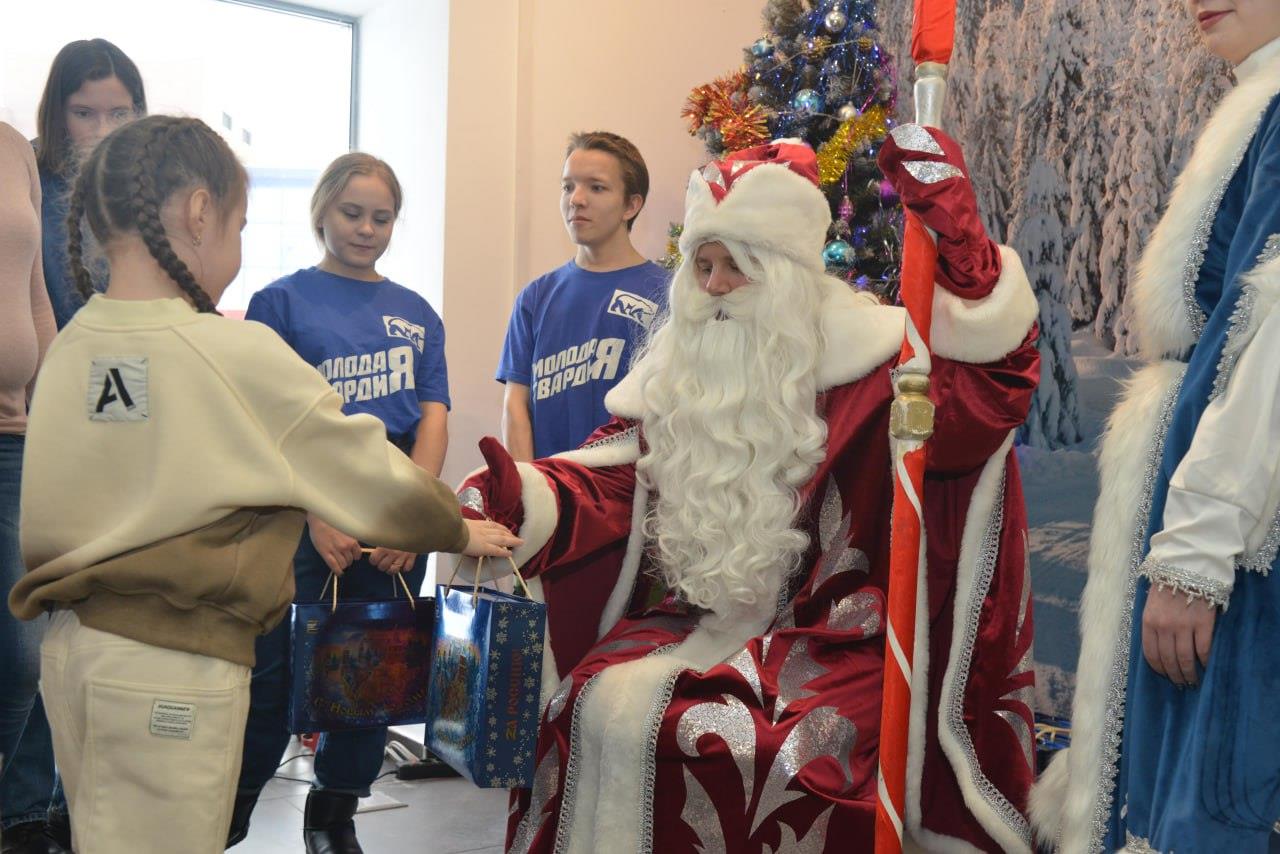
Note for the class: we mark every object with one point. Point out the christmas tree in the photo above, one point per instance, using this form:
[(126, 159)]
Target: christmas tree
[(821, 75)]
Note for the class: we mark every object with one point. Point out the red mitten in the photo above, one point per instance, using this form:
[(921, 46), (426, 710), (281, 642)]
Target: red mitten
[(927, 169), (497, 490)]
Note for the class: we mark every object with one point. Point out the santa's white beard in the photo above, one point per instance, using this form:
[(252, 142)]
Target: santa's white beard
[(732, 434)]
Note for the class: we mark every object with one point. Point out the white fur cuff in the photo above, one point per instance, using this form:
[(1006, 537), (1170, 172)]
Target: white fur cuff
[(988, 329), (541, 515)]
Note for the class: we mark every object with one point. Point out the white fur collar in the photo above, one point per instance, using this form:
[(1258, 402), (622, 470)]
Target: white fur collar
[(861, 336), (1168, 323)]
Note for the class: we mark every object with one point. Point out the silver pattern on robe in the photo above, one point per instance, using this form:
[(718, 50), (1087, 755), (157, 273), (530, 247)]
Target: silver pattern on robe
[(545, 782), (701, 816), (559, 698), (731, 721), (1026, 694), (822, 732), (931, 172), (814, 842), (798, 670), (913, 137), (856, 611), (745, 664)]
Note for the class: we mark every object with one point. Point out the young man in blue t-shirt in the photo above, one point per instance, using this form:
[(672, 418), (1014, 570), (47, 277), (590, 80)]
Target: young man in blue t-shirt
[(574, 331)]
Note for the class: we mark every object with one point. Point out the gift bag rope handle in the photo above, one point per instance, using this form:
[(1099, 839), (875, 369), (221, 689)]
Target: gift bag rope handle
[(475, 587), (394, 592)]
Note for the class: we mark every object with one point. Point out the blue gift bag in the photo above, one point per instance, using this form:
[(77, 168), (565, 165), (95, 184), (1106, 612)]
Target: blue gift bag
[(486, 677), (360, 664)]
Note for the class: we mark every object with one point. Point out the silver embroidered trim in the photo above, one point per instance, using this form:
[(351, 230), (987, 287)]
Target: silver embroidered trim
[(990, 549), (1113, 714), (1241, 320), (545, 780), (1204, 225), (1138, 845), (931, 172), (568, 797), (915, 138), (1262, 560), (471, 499), (1176, 578), (649, 769), (614, 439)]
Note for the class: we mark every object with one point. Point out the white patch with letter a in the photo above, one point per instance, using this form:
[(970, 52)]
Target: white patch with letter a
[(118, 389)]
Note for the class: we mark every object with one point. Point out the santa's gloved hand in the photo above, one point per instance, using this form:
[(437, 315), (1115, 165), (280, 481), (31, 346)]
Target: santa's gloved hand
[(497, 490), (927, 169)]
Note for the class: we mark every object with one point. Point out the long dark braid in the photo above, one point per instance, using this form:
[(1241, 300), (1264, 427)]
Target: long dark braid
[(133, 172), (75, 239), (146, 213)]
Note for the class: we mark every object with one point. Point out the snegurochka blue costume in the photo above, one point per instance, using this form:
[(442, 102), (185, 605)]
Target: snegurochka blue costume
[(1189, 500)]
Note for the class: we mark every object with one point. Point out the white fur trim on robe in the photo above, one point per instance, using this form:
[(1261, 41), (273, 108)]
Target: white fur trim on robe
[(1160, 308), (1065, 801)]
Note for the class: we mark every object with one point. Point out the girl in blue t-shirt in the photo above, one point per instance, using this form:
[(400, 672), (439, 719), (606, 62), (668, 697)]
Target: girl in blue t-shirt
[(381, 346)]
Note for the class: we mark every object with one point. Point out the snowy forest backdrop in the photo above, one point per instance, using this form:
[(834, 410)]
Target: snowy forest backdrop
[(1075, 117)]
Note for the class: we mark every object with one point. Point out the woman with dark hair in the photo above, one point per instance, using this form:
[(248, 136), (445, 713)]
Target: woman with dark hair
[(93, 88)]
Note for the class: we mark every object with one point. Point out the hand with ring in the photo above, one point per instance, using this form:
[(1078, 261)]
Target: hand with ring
[(392, 561)]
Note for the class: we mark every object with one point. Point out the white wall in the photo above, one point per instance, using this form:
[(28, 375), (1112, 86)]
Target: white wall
[(404, 65), (523, 74)]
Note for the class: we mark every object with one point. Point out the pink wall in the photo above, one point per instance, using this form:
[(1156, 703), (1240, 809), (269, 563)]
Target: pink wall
[(523, 74)]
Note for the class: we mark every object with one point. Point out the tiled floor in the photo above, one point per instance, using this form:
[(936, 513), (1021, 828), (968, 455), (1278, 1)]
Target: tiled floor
[(449, 816)]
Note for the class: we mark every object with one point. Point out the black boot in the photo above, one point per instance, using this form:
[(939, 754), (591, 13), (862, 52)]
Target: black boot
[(240, 813), (30, 837), (328, 825), (59, 827)]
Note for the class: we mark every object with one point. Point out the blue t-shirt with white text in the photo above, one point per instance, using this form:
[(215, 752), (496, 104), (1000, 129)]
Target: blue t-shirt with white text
[(572, 336), (379, 344)]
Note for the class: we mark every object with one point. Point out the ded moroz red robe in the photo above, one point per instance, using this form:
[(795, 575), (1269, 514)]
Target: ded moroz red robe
[(660, 733)]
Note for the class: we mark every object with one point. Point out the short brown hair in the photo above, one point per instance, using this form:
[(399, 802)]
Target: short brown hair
[(635, 175), (335, 178)]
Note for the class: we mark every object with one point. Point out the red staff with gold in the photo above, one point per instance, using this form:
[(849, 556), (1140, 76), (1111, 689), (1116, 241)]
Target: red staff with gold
[(911, 423)]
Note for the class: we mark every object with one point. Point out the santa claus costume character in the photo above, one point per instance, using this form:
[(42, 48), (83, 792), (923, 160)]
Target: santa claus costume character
[(1174, 745), (747, 466)]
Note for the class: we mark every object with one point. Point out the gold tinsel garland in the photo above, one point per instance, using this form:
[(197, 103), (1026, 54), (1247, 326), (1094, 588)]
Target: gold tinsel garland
[(852, 136)]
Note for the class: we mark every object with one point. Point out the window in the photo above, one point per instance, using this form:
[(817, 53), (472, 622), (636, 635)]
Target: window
[(274, 78)]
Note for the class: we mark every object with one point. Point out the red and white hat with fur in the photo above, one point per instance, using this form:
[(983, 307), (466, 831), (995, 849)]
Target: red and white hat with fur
[(765, 197)]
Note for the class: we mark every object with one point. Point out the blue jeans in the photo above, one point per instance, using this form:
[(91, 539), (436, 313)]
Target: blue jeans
[(28, 782), (345, 762)]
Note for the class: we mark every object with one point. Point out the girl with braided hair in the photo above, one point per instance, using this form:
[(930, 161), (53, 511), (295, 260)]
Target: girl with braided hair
[(173, 455)]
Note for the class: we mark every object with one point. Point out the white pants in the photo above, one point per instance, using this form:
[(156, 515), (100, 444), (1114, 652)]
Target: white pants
[(147, 739)]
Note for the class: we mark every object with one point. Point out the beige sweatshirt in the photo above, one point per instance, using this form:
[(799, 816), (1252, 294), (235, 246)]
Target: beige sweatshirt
[(26, 320), (169, 456)]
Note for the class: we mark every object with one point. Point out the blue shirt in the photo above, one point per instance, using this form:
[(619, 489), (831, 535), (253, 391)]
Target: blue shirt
[(572, 337), (380, 345)]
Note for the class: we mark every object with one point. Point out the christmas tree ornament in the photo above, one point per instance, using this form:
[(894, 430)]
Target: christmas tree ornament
[(835, 21), (762, 48), (837, 253), (807, 102), (846, 209), (848, 113), (756, 94), (816, 47)]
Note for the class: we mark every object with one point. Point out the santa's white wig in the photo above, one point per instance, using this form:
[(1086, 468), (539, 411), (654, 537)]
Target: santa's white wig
[(729, 387)]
